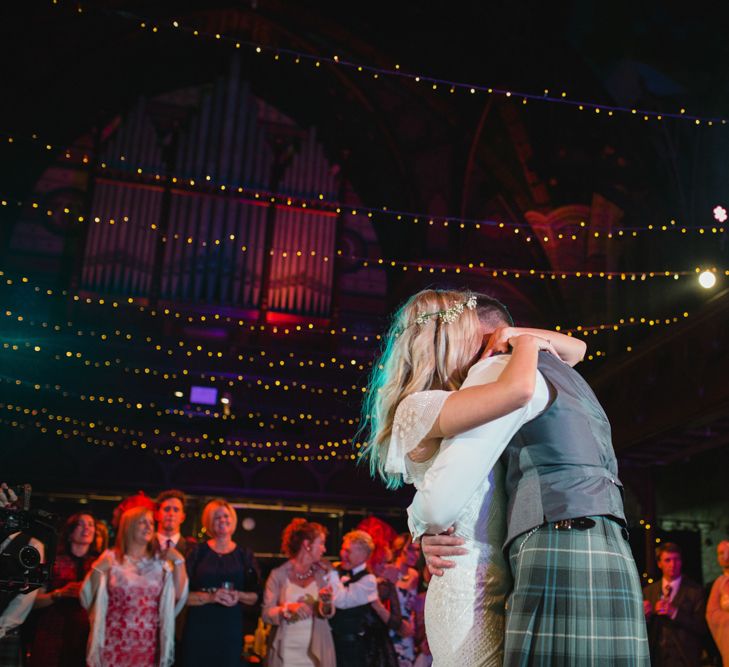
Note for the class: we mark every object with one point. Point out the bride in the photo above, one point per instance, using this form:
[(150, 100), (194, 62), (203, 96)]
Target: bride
[(414, 402)]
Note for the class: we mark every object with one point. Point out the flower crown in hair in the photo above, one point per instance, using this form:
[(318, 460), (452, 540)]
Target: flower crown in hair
[(450, 314)]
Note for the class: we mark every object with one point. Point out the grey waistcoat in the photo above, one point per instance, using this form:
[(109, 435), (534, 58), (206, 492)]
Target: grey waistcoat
[(561, 465)]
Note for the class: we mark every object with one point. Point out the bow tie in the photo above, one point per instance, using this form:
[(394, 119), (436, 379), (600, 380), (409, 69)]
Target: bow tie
[(345, 573)]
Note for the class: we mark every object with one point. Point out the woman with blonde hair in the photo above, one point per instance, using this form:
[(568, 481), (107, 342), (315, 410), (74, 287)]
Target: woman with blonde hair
[(297, 600), (416, 400), (133, 594), (223, 577)]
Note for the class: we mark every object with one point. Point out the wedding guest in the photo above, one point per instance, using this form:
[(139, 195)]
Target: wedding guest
[(224, 576), (133, 593), (297, 600), (170, 515), (674, 607), (717, 609), (61, 624), (359, 627)]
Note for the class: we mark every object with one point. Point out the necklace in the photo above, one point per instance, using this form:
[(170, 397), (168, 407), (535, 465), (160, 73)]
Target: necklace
[(305, 575)]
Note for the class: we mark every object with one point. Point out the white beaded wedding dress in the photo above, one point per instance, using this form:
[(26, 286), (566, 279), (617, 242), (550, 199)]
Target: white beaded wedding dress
[(464, 609)]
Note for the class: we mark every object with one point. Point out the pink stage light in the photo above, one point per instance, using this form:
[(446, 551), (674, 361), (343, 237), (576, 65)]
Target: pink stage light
[(720, 213)]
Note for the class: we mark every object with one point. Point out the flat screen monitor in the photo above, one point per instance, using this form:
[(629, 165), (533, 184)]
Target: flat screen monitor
[(203, 395)]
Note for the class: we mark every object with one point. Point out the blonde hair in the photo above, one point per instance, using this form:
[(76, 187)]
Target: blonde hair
[(125, 534), (209, 511), (434, 354), (362, 538)]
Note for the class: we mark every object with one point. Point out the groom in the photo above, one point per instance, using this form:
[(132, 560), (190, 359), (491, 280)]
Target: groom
[(576, 598)]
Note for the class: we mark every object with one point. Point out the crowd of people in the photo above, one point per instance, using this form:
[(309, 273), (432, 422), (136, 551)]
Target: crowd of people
[(156, 597)]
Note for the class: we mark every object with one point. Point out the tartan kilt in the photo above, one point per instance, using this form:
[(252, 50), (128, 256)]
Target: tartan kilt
[(576, 601)]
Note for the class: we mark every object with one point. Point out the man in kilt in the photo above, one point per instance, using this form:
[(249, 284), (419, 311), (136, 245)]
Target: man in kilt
[(576, 598)]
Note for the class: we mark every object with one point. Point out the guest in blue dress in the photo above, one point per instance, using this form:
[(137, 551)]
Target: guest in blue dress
[(224, 576)]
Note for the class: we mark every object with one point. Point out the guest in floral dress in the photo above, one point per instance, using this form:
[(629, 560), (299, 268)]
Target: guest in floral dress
[(133, 593), (62, 625)]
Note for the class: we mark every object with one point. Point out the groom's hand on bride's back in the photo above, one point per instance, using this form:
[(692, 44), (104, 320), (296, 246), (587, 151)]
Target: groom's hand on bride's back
[(437, 548)]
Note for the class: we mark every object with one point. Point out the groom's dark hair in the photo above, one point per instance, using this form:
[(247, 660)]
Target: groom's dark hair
[(492, 313)]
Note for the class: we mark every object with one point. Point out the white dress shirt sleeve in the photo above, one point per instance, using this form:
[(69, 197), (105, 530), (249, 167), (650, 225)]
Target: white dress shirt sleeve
[(362, 591), (464, 462)]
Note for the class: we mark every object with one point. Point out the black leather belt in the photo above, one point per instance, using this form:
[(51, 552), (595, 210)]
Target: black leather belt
[(579, 523)]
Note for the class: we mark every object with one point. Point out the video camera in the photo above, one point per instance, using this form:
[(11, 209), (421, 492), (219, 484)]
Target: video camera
[(21, 569)]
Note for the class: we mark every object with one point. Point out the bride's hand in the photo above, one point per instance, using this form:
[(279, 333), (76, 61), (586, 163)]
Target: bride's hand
[(542, 343), (506, 339)]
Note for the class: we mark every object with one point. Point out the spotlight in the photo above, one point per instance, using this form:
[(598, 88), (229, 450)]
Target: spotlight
[(226, 400), (720, 214), (707, 279), (179, 394)]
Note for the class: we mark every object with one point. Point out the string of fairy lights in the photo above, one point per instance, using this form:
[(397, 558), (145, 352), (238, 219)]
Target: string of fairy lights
[(436, 84), (251, 382), (307, 420), (72, 431), (290, 330), (580, 329), (190, 184), (353, 364), (214, 378), (483, 268), (302, 419), (188, 350), (216, 445)]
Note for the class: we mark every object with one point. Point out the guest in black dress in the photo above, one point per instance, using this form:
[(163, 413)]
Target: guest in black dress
[(223, 577)]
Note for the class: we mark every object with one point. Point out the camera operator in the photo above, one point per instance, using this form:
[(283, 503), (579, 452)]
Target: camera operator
[(14, 606)]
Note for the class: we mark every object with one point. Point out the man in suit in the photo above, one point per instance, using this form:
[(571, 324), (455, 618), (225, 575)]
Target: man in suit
[(674, 608), (170, 515), (565, 535)]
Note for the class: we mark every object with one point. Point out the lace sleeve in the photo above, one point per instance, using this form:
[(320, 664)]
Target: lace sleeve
[(414, 417)]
